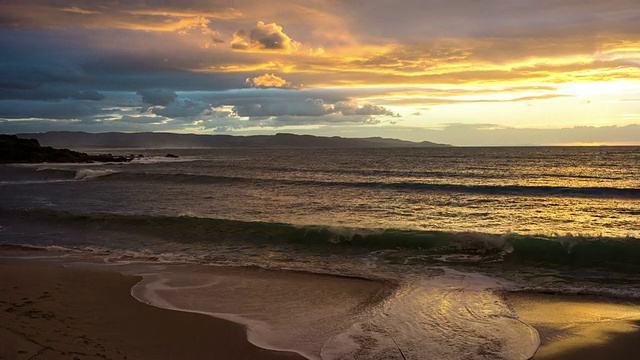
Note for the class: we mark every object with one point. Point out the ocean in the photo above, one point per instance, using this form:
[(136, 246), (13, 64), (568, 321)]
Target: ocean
[(445, 230)]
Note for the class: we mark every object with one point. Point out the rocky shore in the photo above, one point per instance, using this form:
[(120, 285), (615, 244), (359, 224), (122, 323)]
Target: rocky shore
[(17, 150)]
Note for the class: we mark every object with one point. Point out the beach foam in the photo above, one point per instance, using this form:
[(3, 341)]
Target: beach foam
[(282, 310), (85, 174), (323, 317)]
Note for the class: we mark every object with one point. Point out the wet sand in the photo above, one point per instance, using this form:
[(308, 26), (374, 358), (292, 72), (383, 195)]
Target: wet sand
[(581, 327), (51, 312)]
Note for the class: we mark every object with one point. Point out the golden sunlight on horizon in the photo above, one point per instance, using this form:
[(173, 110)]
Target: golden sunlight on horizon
[(292, 65)]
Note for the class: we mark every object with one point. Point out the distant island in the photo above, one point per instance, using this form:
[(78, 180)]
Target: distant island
[(83, 140), (16, 150)]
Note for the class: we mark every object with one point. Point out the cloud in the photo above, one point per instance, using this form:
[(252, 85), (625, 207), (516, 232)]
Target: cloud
[(157, 96), (13, 91), (333, 119), (89, 95), (308, 107), (182, 108), (264, 37), (220, 121), (240, 41), (483, 62), (67, 109), (352, 108), (135, 15), (141, 119), (199, 26), (24, 126), (247, 96), (268, 80)]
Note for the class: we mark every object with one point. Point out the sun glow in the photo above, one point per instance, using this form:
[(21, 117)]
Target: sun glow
[(589, 89)]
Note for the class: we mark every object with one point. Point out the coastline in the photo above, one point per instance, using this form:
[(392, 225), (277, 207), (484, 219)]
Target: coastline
[(48, 311), (580, 327)]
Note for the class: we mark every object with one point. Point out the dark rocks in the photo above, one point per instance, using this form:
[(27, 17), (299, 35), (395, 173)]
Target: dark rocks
[(171, 156), (113, 158), (16, 150)]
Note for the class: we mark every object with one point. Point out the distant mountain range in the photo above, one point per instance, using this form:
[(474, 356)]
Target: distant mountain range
[(83, 140)]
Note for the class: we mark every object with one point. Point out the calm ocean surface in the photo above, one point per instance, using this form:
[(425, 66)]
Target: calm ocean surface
[(443, 225)]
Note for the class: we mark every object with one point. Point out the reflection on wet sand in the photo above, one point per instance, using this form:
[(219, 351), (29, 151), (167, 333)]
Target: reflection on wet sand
[(581, 327)]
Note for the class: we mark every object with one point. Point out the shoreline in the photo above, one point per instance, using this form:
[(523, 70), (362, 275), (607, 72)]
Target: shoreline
[(580, 327), (49, 310), (289, 298)]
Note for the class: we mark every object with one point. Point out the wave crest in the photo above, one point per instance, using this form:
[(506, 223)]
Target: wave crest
[(84, 174), (407, 246)]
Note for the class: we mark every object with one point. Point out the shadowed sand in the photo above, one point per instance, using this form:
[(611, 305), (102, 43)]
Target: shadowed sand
[(581, 327), (51, 312)]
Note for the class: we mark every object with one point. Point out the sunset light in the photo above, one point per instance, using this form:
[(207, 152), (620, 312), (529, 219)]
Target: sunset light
[(320, 179), (530, 66)]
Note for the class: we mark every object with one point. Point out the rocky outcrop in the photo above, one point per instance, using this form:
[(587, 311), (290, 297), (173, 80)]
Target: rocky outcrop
[(17, 150)]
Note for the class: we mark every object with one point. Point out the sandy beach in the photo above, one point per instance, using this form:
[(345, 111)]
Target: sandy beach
[(48, 311), (52, 312), (581, 327)]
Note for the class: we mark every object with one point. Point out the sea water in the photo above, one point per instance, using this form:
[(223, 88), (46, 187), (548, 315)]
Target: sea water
[(445, 230)]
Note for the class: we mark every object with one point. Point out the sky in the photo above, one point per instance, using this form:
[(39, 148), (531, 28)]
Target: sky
[(463, 72)]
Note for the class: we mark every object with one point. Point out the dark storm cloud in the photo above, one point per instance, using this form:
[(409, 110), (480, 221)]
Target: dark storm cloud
[(183, 108), (89, 95), (307, 107), (74, 61), (250, 96), (68, 109), (47, 92), (24, 73), (157, 96)]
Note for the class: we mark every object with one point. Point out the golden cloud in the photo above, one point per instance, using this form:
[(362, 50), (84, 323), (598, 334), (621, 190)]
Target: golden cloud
[(222, 14), (268, 80), (269, 37)]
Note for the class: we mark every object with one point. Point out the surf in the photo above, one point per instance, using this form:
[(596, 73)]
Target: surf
[(418, 246)]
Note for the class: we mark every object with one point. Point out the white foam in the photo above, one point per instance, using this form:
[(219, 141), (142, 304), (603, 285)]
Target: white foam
[(162, 159), (85, 174), (259, 333), (80, 174), (450, 317)]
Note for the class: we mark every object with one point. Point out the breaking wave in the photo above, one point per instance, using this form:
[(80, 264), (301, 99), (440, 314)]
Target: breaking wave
[(85, 174), (608, 253)]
